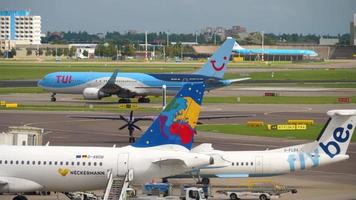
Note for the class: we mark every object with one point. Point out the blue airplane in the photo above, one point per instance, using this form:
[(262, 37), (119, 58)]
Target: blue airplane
[(97, 85), (289, 52)]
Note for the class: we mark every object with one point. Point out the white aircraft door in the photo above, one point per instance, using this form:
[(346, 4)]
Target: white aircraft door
[(259, 165), (122, 164)]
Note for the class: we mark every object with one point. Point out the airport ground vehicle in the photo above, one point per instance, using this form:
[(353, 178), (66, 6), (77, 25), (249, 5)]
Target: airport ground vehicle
[(187, 193), (262, 190)]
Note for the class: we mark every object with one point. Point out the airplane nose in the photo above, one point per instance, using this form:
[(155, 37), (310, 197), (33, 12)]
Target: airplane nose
[(40, 83)]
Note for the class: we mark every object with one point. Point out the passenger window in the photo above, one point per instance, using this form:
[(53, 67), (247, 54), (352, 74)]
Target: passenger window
[(17, 162), (28, 162), (237, 163), (67, 163), (101, 164), (50, 163), (89, 163), (0, 162), (242, 164), (246, 163), (78, 163), (55, 163), (94, 163), (232, 163), (251, 163), (39, 162), (33, 162), (22, 162), (83, 163), (44, 162), (72, 163), (61, 163), (5, 162)]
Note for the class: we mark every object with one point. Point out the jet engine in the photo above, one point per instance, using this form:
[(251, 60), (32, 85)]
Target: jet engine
[(94, 94)]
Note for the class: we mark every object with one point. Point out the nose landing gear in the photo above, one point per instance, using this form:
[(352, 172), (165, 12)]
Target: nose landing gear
[(53, 97)]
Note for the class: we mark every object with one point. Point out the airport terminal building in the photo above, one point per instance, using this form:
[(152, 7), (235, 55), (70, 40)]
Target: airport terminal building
[(19, 27)]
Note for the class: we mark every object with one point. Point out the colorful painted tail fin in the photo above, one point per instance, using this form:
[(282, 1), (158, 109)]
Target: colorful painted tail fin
[(335, 137), (217, 64), (176, 123)]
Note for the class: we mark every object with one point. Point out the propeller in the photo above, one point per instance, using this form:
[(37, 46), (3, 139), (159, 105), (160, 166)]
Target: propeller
[(130, 125)]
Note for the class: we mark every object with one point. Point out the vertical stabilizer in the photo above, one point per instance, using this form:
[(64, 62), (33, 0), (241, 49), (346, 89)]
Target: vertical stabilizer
[(335, 138), (217, 64), (176, 123)]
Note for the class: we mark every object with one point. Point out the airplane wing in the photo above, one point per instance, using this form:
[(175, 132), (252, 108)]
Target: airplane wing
[(3, 182), (145, 118), (150, 118), (224, 116), (112, 88)]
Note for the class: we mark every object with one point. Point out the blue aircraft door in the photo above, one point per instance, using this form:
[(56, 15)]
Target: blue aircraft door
[(123, 163), (259, 165)]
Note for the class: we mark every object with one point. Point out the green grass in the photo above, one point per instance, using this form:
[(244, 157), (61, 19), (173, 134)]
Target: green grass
[(302, 75), (10, 90), (97, 108), (254, 100), (311, 133), (35, 72), (20, 70), (207, 99)]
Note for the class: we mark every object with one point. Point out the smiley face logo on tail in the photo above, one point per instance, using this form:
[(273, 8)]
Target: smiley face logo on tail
[(218, 68)]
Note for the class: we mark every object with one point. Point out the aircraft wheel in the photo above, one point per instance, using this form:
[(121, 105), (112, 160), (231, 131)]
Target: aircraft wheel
[(143, 100), (263, 197), (20, 197), (233, 196), (53, 99), (124, 100)]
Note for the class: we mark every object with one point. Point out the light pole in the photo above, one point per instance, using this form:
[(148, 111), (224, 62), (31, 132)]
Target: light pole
[(263, 46), (106, 46), (167, 37), (146, 59)]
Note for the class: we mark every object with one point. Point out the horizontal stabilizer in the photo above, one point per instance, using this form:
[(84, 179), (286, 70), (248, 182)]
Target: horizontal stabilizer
[(238, 80)]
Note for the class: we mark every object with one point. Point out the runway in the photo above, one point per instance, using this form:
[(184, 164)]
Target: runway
[(335, 181)]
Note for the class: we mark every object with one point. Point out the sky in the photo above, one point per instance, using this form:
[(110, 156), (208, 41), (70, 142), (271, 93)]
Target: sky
[(188, 16)]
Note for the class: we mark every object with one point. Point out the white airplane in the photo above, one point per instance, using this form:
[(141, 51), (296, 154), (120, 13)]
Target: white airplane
[(330, 147), (162, 151)]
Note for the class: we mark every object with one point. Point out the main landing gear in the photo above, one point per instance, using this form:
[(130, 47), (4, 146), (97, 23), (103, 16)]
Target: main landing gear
[(143, 100), (124, 100), (20, 197), (53, 97)]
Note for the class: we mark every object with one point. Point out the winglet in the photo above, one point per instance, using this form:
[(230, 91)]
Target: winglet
[(176, 123)]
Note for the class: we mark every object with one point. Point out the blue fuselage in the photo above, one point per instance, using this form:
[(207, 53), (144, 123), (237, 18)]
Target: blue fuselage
[(139, 84)]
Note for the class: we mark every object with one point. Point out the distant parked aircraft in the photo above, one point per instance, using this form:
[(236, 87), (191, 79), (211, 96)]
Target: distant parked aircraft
[(292, 52)]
